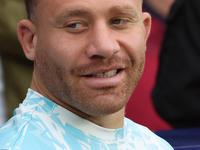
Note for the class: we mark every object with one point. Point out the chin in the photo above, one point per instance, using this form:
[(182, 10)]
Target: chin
[(104, 105)]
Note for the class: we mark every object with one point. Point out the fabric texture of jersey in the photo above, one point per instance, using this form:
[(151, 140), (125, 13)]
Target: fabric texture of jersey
[(40, 124)]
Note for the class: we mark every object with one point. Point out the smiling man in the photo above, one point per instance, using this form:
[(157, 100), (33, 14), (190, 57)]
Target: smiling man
[(88, 58)]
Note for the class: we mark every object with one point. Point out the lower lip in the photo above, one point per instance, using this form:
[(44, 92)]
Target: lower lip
[(104, 82)]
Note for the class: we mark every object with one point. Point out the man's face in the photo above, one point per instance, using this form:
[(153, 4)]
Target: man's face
[(90, 54)]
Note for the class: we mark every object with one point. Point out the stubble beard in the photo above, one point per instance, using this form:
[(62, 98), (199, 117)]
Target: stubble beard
[(110, 99), (94, 102)]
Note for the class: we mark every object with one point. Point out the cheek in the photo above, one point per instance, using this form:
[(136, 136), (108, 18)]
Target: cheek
[(68, 50), (60, 51), (134, 47)]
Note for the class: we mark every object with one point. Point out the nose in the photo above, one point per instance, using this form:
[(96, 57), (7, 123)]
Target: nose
[(103, 43)]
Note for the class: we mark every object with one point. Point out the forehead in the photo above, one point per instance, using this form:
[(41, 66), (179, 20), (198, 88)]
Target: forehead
[(95, 1), (55, 6)]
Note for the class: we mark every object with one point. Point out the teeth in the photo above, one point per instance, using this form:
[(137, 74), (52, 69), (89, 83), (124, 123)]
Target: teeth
[(105, 74)]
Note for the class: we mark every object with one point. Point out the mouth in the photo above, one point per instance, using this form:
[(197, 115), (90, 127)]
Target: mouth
[(105, 74)]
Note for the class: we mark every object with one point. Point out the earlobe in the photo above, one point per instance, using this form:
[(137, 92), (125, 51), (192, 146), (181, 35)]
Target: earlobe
[(147, 24), (26, 33)]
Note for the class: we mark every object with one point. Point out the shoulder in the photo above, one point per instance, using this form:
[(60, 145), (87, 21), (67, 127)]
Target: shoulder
[(20, 130), (24, 135), (13, 133), (143, 134)]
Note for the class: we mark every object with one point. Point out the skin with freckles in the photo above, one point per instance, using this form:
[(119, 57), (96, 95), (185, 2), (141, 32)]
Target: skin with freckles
[(76, 45)]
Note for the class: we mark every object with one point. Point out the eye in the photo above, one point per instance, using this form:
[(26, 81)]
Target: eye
[(76, 27), (120, 23), (117, 21)]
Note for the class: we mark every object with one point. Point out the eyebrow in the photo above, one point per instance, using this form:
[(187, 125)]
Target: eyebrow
[(124, 9), (70, 13)]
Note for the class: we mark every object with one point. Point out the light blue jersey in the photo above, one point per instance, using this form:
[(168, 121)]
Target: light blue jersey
[(40, 124)]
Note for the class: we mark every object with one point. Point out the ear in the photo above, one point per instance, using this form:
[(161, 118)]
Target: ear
[(147, 24), (26, 33)]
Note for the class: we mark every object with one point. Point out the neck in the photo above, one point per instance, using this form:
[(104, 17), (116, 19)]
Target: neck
[(112, 121)]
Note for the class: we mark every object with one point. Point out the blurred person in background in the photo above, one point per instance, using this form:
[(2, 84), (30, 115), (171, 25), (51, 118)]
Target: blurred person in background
[(2, 99), (16, 68), (176, 95), (161, 7)]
